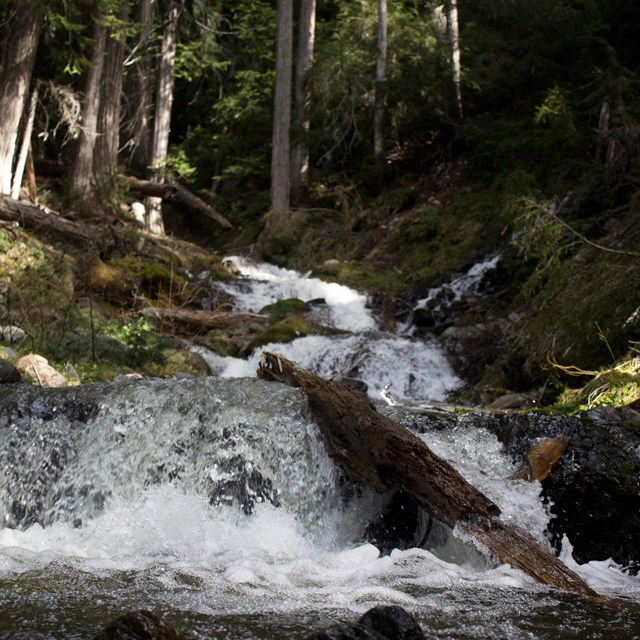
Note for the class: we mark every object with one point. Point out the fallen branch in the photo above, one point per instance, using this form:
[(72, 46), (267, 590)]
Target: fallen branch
[(176, 192), (204, 319), (374, 450)]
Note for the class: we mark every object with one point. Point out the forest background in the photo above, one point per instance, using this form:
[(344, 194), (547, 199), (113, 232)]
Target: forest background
[(385, 145)]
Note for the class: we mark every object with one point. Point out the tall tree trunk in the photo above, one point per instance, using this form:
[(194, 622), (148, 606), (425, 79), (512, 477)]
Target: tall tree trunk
[(300, 124), (280, 155), (138, 92), (83, 163), (162, 116), (381, 66), (108, 141), (25, 147), (451, 8), (19, 42)]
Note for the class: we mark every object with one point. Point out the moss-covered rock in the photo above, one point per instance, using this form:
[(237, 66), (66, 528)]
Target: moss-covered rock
[(286, 330), (284, 308)]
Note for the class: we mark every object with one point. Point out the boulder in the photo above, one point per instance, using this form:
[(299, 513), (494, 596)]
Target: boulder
[(139, 625), (380, 623), (593, 490), (38, 369), (9, 333)]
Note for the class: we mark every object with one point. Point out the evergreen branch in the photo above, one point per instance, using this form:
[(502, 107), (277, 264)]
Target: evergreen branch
[(590, 242)]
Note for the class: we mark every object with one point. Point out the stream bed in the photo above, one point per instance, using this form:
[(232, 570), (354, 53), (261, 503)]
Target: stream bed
[(212, 503)]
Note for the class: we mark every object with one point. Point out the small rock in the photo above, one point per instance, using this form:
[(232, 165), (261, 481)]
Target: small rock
[(9, 333), (40, 371), (511, 401), (139, 625), (379, 623)]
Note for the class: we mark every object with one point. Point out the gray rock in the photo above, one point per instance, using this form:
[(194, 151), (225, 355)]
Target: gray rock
[(8, 372)]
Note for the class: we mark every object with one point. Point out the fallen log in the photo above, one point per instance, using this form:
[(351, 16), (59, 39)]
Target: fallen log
[(34, 217), (175, 192), (204, 319), (377, 451)]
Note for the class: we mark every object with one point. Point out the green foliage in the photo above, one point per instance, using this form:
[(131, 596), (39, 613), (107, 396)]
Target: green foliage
[(342, 85), (37, 284), (138, 342), (555, 110), (539, 237), (614, 386)]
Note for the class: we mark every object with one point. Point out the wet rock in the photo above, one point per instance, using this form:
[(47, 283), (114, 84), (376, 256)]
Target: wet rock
[(8, 372), (139, 625), (401, 525), (38, 370), (593, 490), (541, 458), (379, 623)]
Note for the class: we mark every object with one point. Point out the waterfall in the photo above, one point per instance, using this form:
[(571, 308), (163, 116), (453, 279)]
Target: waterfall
[(214, 502), (398, 368)]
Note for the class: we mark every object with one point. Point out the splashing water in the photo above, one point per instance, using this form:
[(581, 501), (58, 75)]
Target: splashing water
[(219, 508), (394, 367)]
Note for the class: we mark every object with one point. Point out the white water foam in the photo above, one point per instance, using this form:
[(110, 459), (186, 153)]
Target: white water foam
[(392, 367), (264, 284)]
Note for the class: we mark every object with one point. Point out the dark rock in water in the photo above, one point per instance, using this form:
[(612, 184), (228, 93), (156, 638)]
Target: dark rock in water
[(402, 524), (593, 490), (8, 372), (139, 625), (379, 623)]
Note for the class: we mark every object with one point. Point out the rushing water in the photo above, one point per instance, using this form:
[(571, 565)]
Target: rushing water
[(213, 503)]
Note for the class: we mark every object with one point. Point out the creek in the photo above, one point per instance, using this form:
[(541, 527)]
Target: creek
[(212, 502)]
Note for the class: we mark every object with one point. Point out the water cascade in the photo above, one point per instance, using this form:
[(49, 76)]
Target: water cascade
[(396, 367), (213, 503)]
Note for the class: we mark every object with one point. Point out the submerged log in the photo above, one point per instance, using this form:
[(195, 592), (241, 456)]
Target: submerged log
[(377, 451)]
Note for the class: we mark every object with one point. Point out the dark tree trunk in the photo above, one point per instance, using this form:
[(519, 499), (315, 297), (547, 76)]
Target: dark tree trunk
[(300, 118), (281, 144), (108, 140), (19, 39), (83, 162), (381, 66), (138, 90)]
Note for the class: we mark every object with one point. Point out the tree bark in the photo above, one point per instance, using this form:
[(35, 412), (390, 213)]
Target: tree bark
[(138, 98), (280, 156), (300, 118), (33, 217), (162, 115), (83, 163), (108, 140), (25, 146), (381, 66), (19, 37), (451, 8), (373, 449)]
